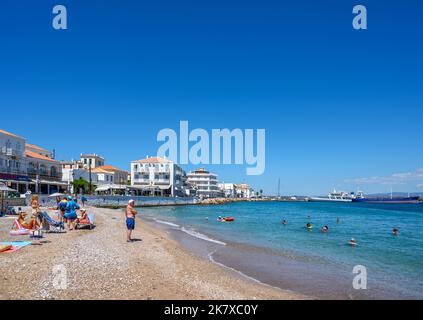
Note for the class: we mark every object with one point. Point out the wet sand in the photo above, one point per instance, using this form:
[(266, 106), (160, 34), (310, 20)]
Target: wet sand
[(100, 264)]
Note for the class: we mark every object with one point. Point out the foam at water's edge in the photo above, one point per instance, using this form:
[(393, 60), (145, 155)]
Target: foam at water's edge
[(167, 223), (192, 233), (201, 236)]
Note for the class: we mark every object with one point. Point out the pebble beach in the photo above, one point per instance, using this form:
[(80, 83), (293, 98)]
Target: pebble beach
[(100, 265)]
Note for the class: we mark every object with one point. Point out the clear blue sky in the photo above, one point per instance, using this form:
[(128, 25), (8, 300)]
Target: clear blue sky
[(338, 104)]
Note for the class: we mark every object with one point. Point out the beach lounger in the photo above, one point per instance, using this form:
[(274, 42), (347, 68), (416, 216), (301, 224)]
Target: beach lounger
[(51, 225), (87, 223), (18, 230)]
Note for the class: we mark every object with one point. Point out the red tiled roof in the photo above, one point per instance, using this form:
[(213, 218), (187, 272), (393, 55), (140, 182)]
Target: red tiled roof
[(153, 160), (9, 134), (31, 154), (33, 146), (111, 168)]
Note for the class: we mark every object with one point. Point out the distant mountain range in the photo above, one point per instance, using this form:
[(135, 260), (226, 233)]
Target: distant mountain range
[(388, 194)]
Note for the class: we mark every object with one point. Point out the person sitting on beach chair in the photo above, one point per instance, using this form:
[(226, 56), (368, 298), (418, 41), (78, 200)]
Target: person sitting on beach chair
[(25, 221), (85, 220), (24, 226), (49, 224)]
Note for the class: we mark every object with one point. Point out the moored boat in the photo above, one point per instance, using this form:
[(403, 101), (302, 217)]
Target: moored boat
[(335, 196), (396, 200)]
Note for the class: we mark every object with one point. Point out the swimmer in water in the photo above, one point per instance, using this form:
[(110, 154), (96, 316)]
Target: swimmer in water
[(395, 232), (284, 222), (352, 242), (325, 229)]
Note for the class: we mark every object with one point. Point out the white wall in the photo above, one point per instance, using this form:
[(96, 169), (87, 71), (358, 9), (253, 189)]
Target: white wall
[(15, 146)]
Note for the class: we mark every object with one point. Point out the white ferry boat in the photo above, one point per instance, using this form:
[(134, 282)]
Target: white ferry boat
[(336, 196)]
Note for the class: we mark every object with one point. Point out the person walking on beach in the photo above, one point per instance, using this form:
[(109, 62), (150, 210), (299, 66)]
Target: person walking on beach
[(130, 219), (83, 200)]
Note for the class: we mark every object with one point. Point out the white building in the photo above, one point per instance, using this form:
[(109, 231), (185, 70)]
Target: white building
[(108, 179), (205, 183), (157, 176), (119, 176), (70, 175), (92, 160), (13, 165), (243, 190), (228, 189), (44, 171)]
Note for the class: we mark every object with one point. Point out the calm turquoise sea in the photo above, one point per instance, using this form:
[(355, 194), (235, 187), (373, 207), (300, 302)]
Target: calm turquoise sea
[(394, 264)]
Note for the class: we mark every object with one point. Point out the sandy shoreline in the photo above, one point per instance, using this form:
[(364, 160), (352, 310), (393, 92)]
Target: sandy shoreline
[(101, 265)]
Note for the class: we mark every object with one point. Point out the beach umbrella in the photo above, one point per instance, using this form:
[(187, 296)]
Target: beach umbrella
[(57, 194), (5, 188)]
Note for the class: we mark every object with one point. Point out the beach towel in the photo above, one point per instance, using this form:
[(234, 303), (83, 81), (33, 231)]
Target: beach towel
[(14, 245)]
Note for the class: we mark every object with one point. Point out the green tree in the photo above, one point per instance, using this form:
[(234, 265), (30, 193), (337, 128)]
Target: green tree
[(80, 185)]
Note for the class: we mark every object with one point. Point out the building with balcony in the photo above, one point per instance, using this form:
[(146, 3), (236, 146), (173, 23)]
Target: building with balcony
[(44, 171), (119, 176), (92, 160), (157, 176), (13, 166), (205, 183), (228, 189)]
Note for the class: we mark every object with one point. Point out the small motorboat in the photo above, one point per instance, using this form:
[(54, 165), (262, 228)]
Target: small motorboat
[(226, 219)]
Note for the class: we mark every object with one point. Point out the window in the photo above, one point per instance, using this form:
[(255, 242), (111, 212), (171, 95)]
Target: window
[(43, 170), (135, 167), (53, 171)]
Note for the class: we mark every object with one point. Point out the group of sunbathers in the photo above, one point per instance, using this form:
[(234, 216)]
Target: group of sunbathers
[(68, 207), (67, 213)]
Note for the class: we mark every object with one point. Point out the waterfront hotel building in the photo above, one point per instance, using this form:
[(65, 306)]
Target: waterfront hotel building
[(157, 176), (205, 183)]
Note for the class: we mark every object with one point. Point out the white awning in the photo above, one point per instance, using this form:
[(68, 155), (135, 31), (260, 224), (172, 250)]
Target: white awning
[(103, 188), (6, 188), (150, 187), (110, 186)]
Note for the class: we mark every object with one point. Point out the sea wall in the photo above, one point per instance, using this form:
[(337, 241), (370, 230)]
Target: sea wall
[(119, 201)]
